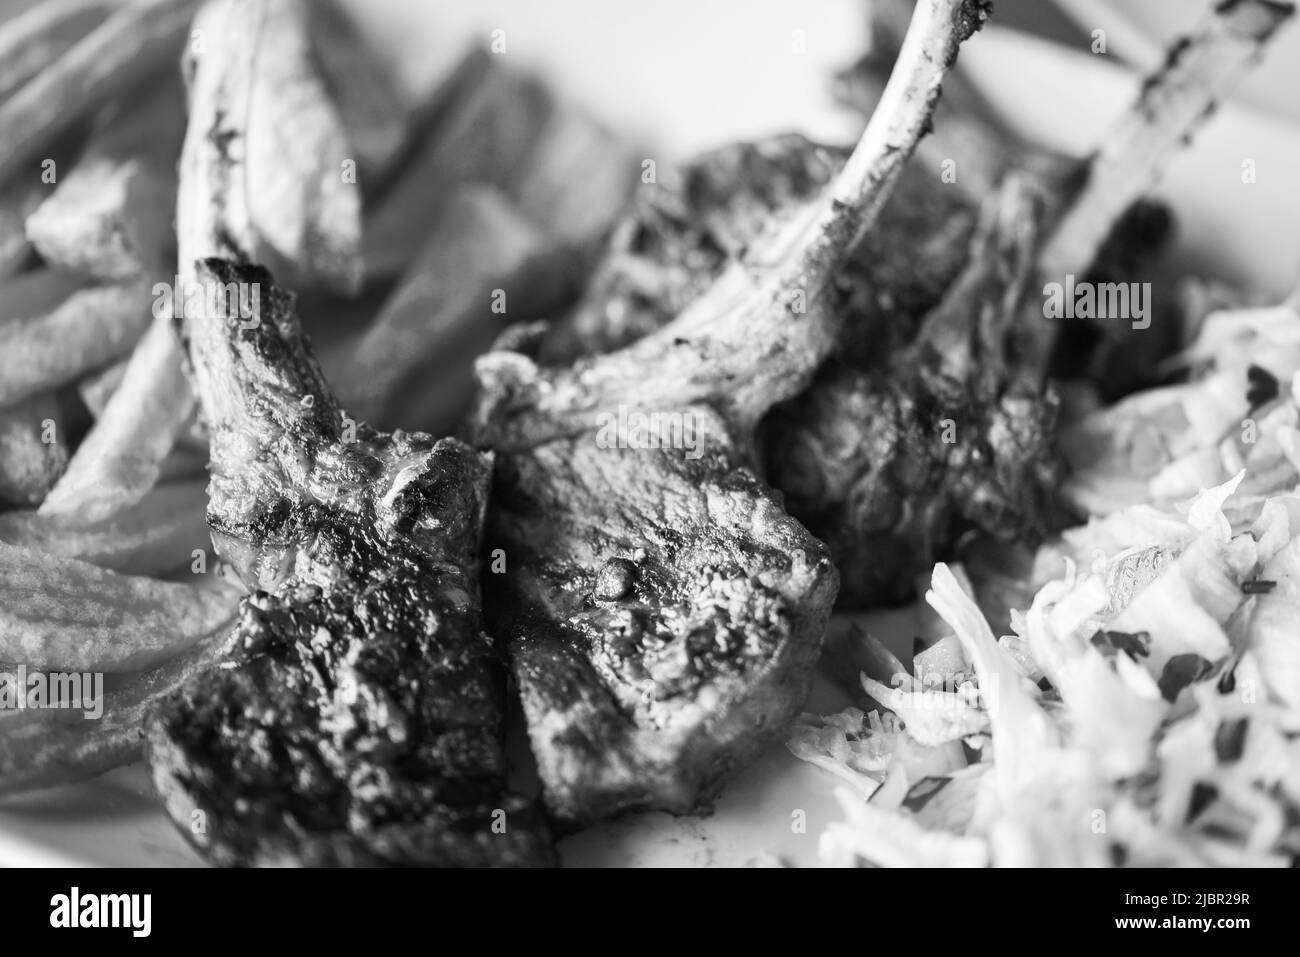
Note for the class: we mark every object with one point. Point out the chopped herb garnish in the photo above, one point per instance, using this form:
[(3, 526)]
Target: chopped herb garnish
[(1136, 644), (1258, 586), (1230, 740), (1202, 796), (1262, 387), (1228, 683), (1181, 671)]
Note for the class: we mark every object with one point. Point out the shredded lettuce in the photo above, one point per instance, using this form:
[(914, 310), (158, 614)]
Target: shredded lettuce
[(846, 745), (863, 749), (886, 839), (1166, 731), (1163, 445), (1274, 632), (932, 717)]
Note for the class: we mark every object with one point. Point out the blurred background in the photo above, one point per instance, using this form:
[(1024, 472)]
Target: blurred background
[(686, 75)]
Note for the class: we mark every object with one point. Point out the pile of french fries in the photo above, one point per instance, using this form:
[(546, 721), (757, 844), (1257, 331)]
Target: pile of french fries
[(405, 222)]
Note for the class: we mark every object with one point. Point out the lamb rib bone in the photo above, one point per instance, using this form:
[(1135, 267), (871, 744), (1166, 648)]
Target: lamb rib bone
[(741, 347), (855, 450), (356, 716), (860, 456), (661, 611)]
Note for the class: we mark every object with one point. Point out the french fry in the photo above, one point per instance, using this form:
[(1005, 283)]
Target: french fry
[(48, 748), (17, 202), (109, 219), (35, 293), (22, 191), (111, 216), (306, 213), (61, 614), (90, 327), (32, 452), (503, 127), (187, 459), (155, 536), (139, 40), (373, 110), (123, 456), (98, 387), (578, 176), (488, 121), (119, 460), (40, 35), (441, 314)]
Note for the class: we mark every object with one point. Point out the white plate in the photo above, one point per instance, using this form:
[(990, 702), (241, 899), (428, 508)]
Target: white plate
[(688, 74)]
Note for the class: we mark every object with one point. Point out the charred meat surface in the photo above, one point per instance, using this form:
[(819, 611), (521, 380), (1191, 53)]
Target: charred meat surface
[(859, 447), (357, 718), (1122, 357), (892, 496), (884, 424), (893, 469), (683, 231), (661, 610), (851, 452)]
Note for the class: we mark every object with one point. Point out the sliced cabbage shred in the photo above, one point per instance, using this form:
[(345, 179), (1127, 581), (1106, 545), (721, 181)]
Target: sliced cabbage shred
[(1162, 445), (1165, 730)]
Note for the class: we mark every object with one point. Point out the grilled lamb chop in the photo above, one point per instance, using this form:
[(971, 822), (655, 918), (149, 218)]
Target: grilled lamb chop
[(684, 230), (860, 453), (357, 717), (959, 435), (948, 440), (1116, 358), (661, 611), (662, 615)]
